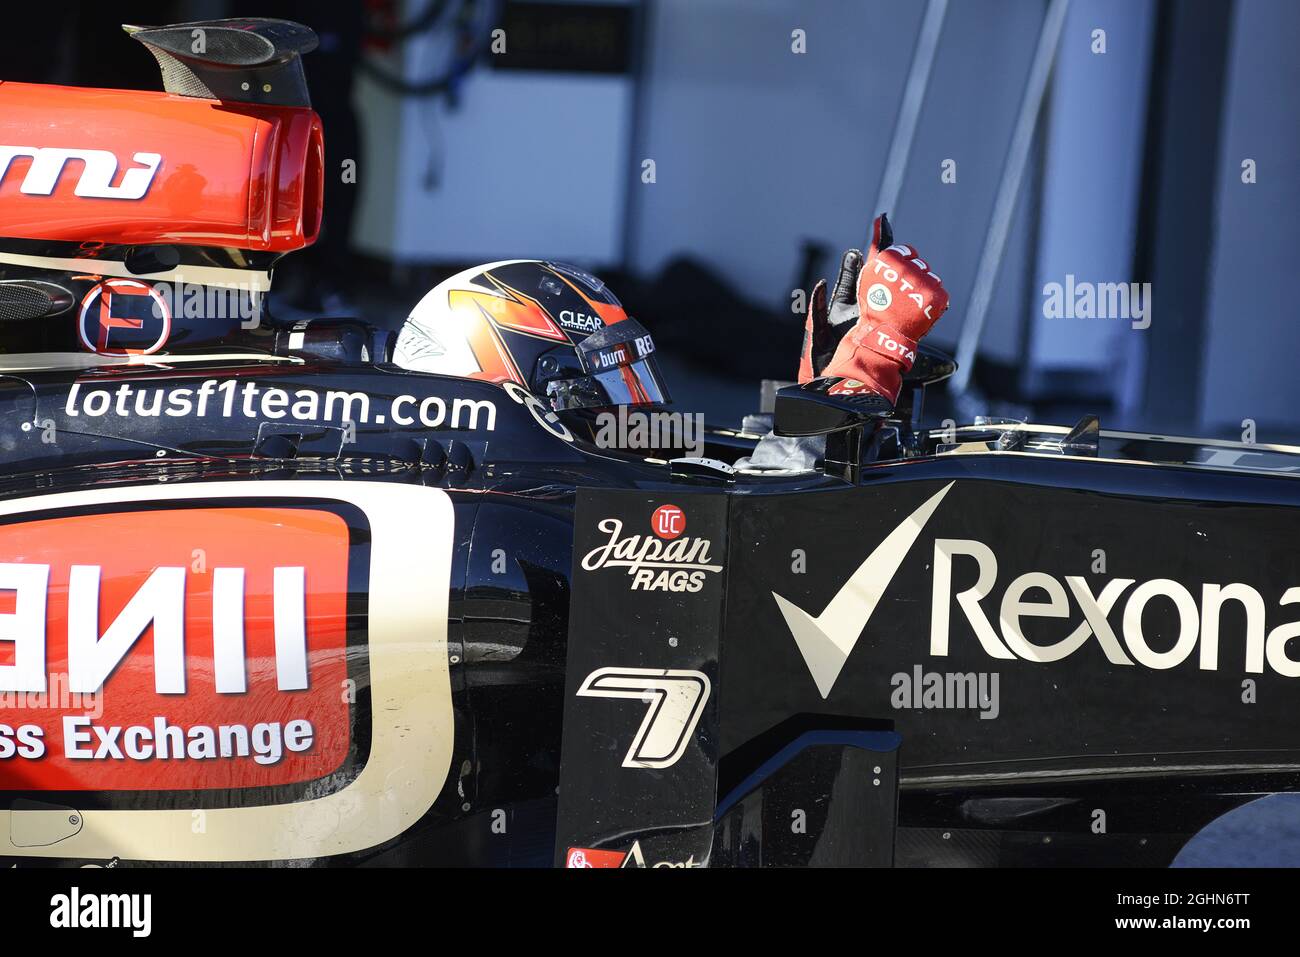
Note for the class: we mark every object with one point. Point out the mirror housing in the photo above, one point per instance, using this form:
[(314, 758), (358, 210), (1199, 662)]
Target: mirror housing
[(810, 410)]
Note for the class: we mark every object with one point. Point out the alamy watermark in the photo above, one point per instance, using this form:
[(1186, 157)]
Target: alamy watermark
[(1075, 299), (192, 300), (56, 696), (651, 431), (946, 691)]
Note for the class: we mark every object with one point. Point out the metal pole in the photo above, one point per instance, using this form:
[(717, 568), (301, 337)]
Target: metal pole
[(909, 110), (1008, 189)]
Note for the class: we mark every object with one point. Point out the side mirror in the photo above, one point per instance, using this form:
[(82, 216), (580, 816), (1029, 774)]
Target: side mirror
[(810, 410)]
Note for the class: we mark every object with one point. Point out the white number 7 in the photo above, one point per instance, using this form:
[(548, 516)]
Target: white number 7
[(676, 700)]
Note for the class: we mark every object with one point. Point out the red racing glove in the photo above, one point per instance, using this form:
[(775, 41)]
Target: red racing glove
[(897, 300), (828, 322)]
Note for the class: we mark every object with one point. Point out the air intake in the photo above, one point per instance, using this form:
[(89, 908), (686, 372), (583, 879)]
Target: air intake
[(32, 299)]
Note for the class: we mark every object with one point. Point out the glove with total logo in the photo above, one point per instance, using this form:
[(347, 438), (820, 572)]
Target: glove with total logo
[(866, 335)]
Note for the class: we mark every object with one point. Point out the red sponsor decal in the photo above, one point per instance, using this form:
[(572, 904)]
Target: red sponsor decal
[(591, 857), (668, 521), (133, 167), (188, 648), (122, 317)]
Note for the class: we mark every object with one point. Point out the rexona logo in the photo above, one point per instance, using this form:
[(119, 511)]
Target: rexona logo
[(668, 560), (97, 174), (217, 661), (827, 640), (1198, 621)]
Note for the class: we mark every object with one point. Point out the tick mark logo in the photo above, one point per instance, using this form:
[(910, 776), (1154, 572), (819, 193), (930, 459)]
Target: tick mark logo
[(827, 640), (676, 701)]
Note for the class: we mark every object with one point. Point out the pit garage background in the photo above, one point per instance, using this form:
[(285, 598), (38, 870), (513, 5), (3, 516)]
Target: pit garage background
[(710, 159)]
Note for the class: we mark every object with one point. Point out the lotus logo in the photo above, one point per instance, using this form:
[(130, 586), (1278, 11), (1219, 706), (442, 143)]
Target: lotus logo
[(878, 297)]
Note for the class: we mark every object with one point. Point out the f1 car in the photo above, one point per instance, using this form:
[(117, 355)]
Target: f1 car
[(268, 596)]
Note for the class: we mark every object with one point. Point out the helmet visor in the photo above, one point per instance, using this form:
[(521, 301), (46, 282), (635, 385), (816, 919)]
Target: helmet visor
[(638, 383), (620, 369)]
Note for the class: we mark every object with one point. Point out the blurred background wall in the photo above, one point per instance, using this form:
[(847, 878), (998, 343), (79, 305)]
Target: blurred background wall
[(1253, 338), (767, 123)]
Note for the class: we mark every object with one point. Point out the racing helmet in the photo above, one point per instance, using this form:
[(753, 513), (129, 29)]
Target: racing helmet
[(552, 328)]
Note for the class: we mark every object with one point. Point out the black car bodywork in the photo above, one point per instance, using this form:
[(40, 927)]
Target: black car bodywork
[(266, 597), (1076, 652)]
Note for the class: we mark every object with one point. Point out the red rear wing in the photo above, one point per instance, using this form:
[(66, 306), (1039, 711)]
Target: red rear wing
[(130, 167)]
